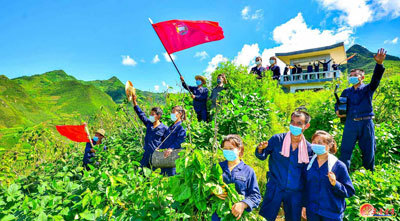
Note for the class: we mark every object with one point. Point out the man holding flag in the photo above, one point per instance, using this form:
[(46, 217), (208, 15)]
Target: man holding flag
[(89, 150), (80, 133)]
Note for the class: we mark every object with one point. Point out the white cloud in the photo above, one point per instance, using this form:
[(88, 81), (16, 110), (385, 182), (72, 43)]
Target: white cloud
[(202, 55), (247, 54), (394, 41), (142, 60), (387, 8), (166, 57), (156, 59), (128, 61), (213, 64), (294, 35), (156, 87), (246, 14), (356, 13)]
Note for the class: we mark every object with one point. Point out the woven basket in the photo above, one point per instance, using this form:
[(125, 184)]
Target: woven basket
[(158, 160)]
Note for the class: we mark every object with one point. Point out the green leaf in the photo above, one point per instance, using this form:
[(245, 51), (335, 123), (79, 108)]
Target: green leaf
[(8, 217)]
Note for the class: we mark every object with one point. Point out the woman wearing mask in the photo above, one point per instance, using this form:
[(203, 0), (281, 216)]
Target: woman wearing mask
[(258, 69), (237, 172), (155, 131), (173, 137), (328, 181), (199, 95), (274, 68), (221, 80)]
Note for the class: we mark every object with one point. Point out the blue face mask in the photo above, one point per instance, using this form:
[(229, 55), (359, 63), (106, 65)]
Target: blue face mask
[(318, 149), (199, 82), (258, 62), (296, 131), (173, 117), (95, 139), (219, 81), (152, 119), (353, 80), (271, 61), (230, 155)]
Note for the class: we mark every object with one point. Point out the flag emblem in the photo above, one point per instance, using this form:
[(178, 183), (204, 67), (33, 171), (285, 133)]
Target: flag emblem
[(181, 29)]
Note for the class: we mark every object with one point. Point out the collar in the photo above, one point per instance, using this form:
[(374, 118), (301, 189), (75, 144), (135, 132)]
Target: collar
[(224, 165), (177, 124)]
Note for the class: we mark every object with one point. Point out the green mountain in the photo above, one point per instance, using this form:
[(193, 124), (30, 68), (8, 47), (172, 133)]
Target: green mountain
[(16, 103), (53, 96), (364, 59), (116, 90)]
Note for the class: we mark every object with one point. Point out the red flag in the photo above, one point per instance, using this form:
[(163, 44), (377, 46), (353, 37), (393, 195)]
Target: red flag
[(177, 35), (75, 133)]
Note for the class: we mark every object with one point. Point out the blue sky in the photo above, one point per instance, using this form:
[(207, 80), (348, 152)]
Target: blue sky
[(90, 39)]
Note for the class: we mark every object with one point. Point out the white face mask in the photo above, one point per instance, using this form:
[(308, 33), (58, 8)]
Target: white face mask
[(258, 62)]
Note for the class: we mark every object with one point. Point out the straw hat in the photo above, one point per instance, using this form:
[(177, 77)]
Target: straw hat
[(199, 77), (102, 132), (129, 90)]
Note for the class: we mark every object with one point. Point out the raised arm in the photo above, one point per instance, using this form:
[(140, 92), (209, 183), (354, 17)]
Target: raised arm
[(378, 71), (265, 148), (139, 112)]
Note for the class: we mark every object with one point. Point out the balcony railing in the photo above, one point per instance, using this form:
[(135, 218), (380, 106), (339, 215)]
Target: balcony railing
[(311, 77)]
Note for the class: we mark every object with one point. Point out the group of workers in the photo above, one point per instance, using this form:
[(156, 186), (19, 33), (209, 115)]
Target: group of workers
[(306, 177), (259, 70)]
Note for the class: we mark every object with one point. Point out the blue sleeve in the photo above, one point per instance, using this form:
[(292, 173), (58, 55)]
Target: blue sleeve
[(376, 77), (203, 96), (253, 196), (180, 138), (142, 115), (271, 144), (189, 88), (344, 187), (344, 94)]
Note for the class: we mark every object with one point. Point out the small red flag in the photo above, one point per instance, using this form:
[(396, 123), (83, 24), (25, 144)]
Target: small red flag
[(177, 35), (75, 133)]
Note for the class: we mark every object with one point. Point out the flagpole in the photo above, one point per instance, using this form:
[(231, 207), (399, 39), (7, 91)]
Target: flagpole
[(173, 62), (87, 131)]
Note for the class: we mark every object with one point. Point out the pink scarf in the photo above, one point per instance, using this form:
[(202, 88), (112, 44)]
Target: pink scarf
[(303, 153)]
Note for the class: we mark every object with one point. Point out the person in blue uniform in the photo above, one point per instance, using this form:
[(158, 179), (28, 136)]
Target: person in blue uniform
[(309, 68), (258, 70), (237, 172), (335, 66), (299, 69), (289, 155), (325, 64), (221, 81), (199, 95), (173, 137), (328, 181), (155, 131), (286, 72), (90, 152), (316, 66), (276, 71), (359, 126)]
